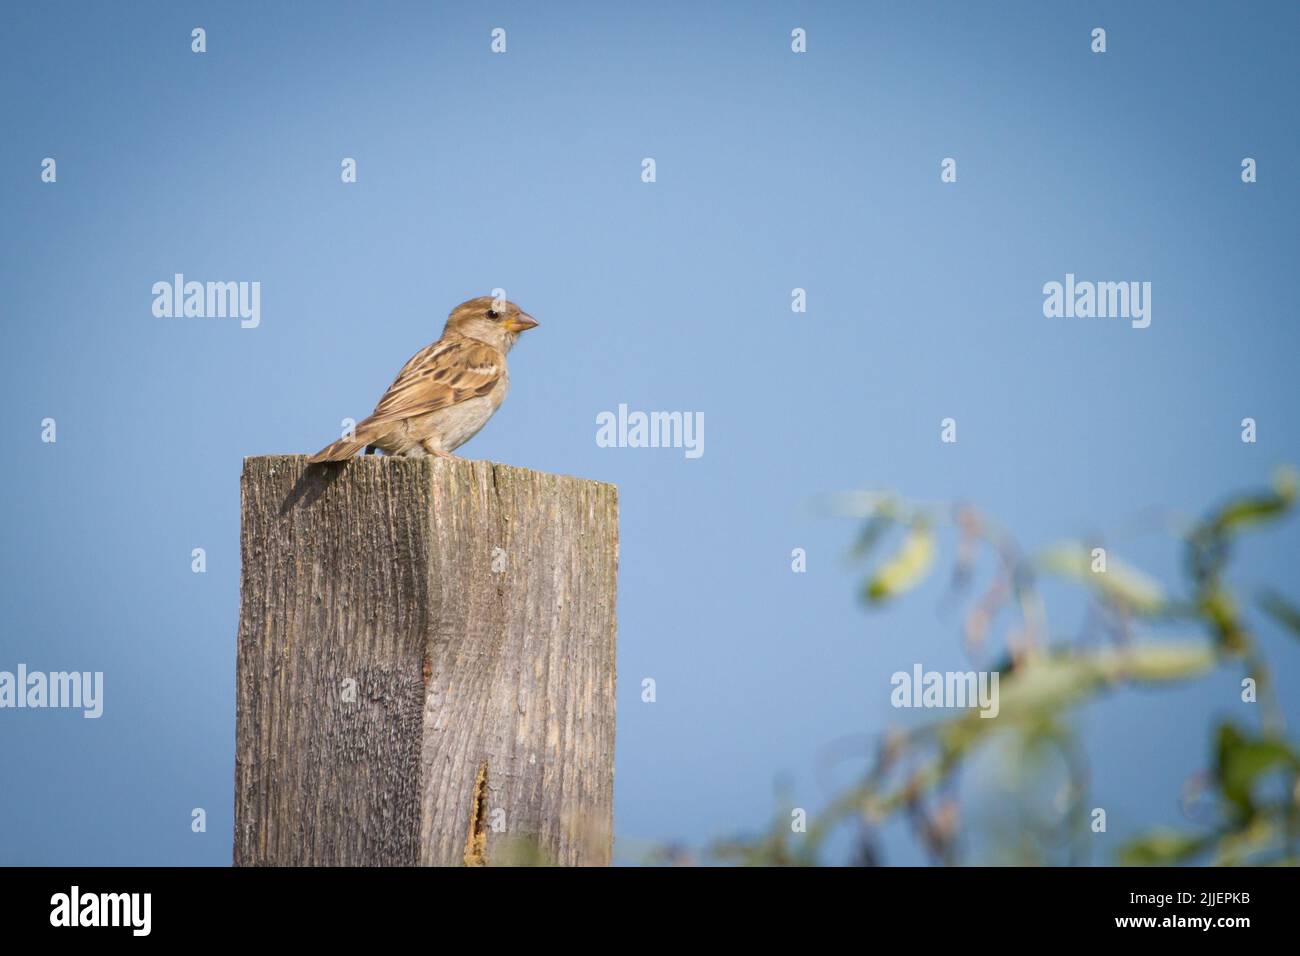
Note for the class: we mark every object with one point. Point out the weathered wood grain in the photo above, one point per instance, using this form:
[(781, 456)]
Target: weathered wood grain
[(472, 605)]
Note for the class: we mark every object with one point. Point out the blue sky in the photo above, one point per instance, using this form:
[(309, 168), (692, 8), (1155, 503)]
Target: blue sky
[(522, 171)]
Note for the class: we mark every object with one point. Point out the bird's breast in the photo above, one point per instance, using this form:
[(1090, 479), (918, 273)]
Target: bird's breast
[(459, 423)]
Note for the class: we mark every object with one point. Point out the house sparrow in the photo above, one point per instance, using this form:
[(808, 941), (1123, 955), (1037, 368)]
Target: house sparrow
[(447, 391)]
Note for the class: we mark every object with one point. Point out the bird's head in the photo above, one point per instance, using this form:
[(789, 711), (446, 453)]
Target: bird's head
[(494, 321)]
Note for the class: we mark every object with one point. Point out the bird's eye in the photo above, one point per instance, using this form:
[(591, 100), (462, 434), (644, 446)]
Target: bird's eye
[(493, 314)]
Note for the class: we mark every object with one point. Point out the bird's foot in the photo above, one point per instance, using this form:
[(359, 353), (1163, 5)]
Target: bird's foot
[(428, 448)]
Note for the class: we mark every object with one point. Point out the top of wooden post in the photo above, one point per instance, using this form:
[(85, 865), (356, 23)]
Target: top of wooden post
[(426, 663)]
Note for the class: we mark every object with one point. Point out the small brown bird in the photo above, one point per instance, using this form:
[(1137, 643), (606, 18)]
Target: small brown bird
[(447, 391)]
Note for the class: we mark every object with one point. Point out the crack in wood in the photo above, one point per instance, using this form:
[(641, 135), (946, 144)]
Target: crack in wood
[(476, 842)]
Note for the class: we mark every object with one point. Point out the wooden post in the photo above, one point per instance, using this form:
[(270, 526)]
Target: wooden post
[(426, 664)]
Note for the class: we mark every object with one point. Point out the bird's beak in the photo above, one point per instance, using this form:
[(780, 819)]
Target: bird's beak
[(522, 322)]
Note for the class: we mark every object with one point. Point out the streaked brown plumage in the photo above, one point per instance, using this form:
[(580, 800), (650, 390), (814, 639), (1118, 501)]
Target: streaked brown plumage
[(447, 391)]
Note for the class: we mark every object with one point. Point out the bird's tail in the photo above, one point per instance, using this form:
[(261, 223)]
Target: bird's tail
[(344, 448)]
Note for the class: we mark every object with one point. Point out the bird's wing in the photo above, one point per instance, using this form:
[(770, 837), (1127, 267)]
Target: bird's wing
[(445, 373)]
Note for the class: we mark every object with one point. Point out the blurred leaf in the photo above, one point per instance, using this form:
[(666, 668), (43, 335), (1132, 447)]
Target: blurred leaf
[(1047, 684), (1119, 584), (1219, 608), (1160, 661), (1247, 512), (1286, 482), (1281, 610), (1256, 836), (1040, 688), (1210, 541), (907, 566), (1161, 847), (1240, 761), (872, 531), (862, 504), (1056, 681)]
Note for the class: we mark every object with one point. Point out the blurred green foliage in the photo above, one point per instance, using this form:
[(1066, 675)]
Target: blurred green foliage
[(1245, 808)]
